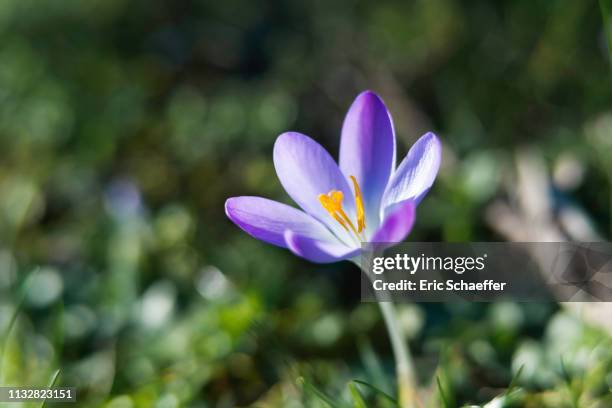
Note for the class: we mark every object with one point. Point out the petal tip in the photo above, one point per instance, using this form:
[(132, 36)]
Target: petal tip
[(281, 144), (432, 136), (230, 211), (370, 103), (228, 207), (282, 138), (369, 97), (367, 92), (435, 140), (430, 142), (288, 139)]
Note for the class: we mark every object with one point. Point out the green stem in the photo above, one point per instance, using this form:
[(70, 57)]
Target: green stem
[(404, 367), (403, 361)]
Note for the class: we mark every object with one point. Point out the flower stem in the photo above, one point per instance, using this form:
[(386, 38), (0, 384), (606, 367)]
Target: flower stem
[(404, 367), (403, 361)]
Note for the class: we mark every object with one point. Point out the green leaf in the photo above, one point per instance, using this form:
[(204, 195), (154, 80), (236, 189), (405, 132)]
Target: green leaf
[(573, 388), (606, 12), (564, 373), (377, 391), (311, 389), (357, 398), (445, 387), (373, 366), (52, 382), (443, 397), (514, 380), (13, 319)]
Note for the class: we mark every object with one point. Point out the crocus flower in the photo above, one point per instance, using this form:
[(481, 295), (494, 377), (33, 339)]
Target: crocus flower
[(363, 199)]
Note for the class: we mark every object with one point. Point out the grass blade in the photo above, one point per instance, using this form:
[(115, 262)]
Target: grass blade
[(514, 380), (319, 394), (357, 398), (443, 397), (13, 319), (377, 391), (606, 12), (51, 384)]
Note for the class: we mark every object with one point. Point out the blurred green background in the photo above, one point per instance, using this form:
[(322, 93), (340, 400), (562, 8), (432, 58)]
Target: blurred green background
[(124, 126)]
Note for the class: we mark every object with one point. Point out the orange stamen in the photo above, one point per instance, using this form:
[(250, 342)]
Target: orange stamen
[(359, 201), (332, 202)]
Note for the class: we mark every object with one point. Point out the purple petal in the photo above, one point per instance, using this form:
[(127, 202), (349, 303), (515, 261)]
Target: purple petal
[(268, 220), (416, 173), (397, 223), (318, 251), (367, 148), (305, 170)]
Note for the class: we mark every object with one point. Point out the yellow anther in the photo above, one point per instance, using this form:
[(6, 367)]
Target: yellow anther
[(332, 202), (359, 202)]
